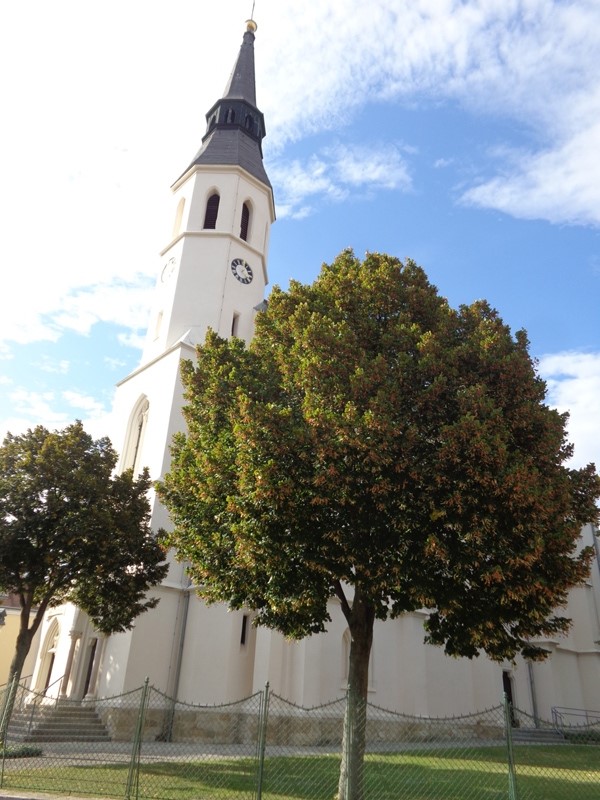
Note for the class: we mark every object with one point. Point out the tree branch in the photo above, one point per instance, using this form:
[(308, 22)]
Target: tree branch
[(339, 592)]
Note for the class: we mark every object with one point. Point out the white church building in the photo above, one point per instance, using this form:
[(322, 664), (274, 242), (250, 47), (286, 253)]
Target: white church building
[(213, 273)]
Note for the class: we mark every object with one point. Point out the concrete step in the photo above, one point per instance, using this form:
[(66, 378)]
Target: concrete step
[(537, 736), (57, 723)]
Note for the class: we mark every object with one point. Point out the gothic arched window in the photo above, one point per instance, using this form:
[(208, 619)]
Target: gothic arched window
[(212, 211), (245, 222), (178, 217), (135, 436)]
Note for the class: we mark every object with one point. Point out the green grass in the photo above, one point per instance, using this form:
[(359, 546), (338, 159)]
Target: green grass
[(566, 772)]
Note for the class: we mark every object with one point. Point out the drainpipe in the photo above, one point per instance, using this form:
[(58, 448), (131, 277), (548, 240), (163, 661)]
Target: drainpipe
[(595, 593), (166, 735), (182, 630), (536, 718)]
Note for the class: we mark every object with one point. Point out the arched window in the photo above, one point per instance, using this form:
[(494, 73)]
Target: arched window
[(135, 436), (158, 325), (230, 116), (212, 211), (245, 223), (46, 659), (178, 217)]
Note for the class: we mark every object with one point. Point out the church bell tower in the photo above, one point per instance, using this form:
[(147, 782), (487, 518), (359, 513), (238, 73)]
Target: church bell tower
[(212, 274), (214, 268)]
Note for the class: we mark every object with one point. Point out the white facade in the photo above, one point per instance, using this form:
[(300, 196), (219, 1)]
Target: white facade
[(207, 654)]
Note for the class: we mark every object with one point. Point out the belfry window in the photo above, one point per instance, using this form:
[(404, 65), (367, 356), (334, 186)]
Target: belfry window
[(212, 211), (245, 223)]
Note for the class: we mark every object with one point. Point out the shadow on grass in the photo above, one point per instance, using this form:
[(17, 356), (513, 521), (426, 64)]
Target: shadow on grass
[(548, 773)]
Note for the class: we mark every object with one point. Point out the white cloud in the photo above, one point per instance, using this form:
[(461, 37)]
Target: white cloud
[(337, 173), (560, 185), (533, 62), (573, 381), (379, 167), (83, 402), (31, 409), (95, 138), (40, 408), (131, 339), (114, 363), (120, 303), (95, 415), (60, 367)]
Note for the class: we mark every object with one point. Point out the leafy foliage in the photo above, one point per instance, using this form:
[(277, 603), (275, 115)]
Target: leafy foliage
[(70, 531), (373, 437)]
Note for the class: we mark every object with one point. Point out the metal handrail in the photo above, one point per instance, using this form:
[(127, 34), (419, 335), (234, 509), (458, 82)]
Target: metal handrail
[(21, 679), (58, 680), (37, 699), (560, 712)]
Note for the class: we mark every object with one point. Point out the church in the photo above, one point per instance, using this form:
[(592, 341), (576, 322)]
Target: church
[(213, 273)]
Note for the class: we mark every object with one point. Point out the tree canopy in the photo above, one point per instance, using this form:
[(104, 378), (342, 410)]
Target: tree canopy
[(375, 445), (71, 531)]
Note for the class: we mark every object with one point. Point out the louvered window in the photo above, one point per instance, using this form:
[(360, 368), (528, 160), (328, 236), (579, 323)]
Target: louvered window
[(212, 210), (245, 222)]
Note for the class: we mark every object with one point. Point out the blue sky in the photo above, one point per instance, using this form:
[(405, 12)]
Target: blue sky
[(465, 135)]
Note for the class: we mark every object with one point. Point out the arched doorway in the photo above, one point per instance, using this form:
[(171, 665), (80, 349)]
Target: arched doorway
[(44, 677), (507, 685)]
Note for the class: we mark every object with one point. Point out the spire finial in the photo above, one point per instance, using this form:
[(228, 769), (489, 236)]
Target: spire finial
[(250, 24)]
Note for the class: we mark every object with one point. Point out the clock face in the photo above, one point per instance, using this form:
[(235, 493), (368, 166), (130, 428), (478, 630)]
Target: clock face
[(242, 270), (168, 269)]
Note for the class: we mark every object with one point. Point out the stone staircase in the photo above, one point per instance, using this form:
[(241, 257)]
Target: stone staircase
[(62, 722), (537, 736)]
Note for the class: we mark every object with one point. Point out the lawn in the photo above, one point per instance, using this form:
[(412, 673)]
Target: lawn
[(566, 772)]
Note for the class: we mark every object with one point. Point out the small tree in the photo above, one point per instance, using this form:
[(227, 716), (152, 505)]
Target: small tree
[(70, 531), (375, 445)]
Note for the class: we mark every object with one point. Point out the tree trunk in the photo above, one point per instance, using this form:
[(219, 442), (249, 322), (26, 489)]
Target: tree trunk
[(26, 631), (360, 617), (6, 707), (22, 648)]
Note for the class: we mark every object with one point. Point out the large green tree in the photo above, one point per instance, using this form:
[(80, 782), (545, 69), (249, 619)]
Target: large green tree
[(376, 446), (70, 530)]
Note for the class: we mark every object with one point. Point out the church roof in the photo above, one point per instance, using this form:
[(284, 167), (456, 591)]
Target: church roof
[(235, 127)]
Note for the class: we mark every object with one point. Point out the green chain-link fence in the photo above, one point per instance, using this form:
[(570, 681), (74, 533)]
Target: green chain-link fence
[(146, 745)]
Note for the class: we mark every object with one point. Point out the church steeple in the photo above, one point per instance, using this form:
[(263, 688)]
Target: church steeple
[(235, 127), (214, 271)]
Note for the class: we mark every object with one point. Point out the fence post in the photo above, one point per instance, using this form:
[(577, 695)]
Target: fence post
[(512, 776), (133, 777), (262, 740), (347, 738), (7, 707), (5, 715)]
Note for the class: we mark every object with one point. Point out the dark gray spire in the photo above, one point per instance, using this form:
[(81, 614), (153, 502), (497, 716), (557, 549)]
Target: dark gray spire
[(235, 127), (241, 84)]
